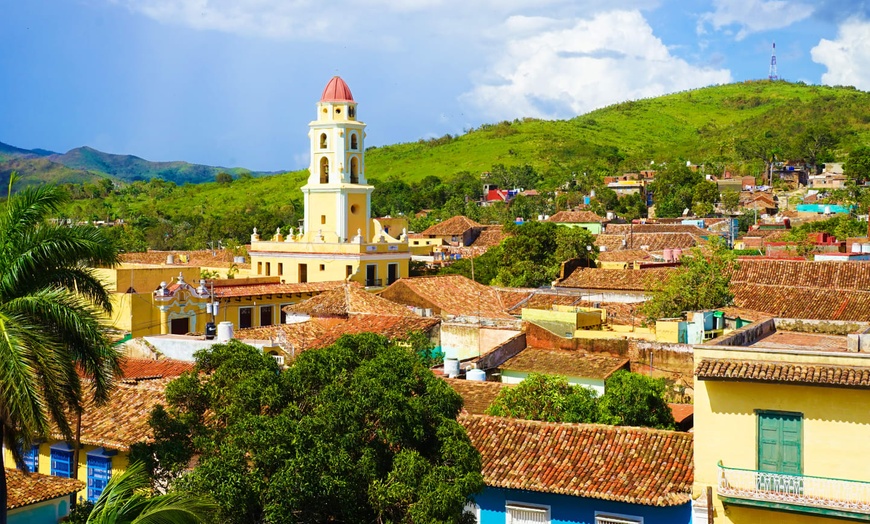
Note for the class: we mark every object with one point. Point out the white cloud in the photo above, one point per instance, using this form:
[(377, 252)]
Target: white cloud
[(753, 16), (848, 57), (561, 72)]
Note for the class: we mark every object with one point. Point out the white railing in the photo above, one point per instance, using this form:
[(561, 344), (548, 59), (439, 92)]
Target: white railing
[(801, 490)]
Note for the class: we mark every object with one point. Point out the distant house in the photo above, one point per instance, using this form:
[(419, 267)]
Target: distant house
[(33, 498), (458, 230), (585, 219), (580, 473), (614, 285)]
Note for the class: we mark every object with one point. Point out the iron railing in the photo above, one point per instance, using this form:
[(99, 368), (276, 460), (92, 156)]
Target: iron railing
[(801, 490)]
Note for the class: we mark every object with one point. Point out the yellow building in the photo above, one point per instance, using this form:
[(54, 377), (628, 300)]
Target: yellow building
[(338, 238), (781, 423)]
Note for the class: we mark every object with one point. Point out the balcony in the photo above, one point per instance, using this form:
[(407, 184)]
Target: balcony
[(797, 493), (374, 282)]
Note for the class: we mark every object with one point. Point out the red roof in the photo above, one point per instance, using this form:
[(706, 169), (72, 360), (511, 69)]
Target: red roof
[(136, 369), (623, 464), (336, 91), (24, 489)]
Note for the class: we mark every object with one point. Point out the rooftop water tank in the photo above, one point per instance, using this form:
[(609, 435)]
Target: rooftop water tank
[(170, 259), (225, 331), (668, 254), (451, 367), (477, 375)]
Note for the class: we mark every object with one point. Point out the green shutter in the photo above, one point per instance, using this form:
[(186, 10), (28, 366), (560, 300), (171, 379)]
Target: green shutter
[(779, 442)]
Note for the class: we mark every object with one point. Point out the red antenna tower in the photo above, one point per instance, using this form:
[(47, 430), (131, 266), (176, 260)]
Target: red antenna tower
[(771, 75)]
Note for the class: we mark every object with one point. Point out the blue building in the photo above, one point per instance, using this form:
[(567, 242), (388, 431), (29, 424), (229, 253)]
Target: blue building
[(544, 472), (38, 499)]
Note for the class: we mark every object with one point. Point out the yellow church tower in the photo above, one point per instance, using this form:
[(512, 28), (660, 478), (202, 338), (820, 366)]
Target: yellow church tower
[(338, 239)]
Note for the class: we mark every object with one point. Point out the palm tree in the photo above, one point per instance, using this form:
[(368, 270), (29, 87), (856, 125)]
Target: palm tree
[(50, 306), (126, 500)]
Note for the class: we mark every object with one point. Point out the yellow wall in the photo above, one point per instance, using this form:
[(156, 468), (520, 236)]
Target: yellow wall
[(359, 219), (836, 428), (119, 462), (323, 217), (229, 308), (334, 267)]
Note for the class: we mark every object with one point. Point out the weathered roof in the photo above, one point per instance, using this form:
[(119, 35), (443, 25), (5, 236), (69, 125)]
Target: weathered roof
[(345, 300), (804, 289), (682, 411), (123, 420), (138, 369), (576, 217), (452, 294), (491, 236), (321, 332), (565, 363), (616, 279), (205, 257), (476, 395), (648, 241), (275, 288), (625, 229), (453, 226), (624, 255), (784, 372), (622, 464), (24, 489)]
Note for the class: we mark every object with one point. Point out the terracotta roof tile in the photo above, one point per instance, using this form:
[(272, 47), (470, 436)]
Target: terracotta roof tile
[(616, 279), (624, 255), (827, 275), (491, 236), (625, 229), (206, 257), (565, 362), (784, 372), (576, 217), (123, 420), (451, 294), (622, 464), (682, 411), (651, 241), (24, 489), (453, 226), (476, 395), (275, 288), (137, 369), (345, 300)]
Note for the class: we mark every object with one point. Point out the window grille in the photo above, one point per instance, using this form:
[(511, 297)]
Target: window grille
[(527, 514), (61, 463), (614, 519), (99, 473)]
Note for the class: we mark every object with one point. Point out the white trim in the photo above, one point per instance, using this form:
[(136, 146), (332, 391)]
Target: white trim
[(602, 517), (335, 256), (542, 510)]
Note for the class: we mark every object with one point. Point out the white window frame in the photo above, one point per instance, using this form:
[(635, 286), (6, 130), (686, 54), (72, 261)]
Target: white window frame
[(474, 509), (603, 517), (525, 506)]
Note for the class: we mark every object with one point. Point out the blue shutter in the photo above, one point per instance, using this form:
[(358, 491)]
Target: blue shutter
[(31, 458), (61, 462), (99, 473)]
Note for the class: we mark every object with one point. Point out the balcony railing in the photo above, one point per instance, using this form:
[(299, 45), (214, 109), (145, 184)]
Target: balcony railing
[(851, 496), (374, 282)]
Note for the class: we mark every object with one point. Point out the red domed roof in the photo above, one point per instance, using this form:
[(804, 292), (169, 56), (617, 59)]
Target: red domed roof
[(336, 91)]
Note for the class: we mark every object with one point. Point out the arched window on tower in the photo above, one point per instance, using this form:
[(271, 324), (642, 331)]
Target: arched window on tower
[(322, 140), (354, 143), (354, 170), (324, 170), (351, 112)]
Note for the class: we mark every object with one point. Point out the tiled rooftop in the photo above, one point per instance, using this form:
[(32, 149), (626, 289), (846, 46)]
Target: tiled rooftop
[(565, 363), (453, 226), (452, 294), (576, 217), (825, 275), (783, 372), (491, 236), (138, 369), (24, 489), (624, 255), (616, 279), (206, 257), (622, 464), (345, 300), (123, 420), (627, 229), (321, 332), (648, 241), (790, 340), (277, 288), (476, 395)]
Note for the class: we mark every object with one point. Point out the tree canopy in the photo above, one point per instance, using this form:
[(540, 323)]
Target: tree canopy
[(629, 399), (356, 432), (701, 282)]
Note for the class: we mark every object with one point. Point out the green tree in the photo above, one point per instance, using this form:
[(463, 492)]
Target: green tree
[(730, 200), (50, 302), (125, 500), (674, 189), (546, 397), (631, 399), (857, 166), (485, 266), (223, 178), (356, 432), (575, 242), (701, 282)]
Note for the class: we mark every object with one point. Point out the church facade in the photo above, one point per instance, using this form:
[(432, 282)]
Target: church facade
[(338, 238)]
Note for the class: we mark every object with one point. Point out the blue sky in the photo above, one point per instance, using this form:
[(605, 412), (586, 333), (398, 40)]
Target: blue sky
[(234, 82)]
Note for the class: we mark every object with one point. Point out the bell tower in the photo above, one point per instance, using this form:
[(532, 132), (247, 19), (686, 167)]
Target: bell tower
[(337, 197)]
